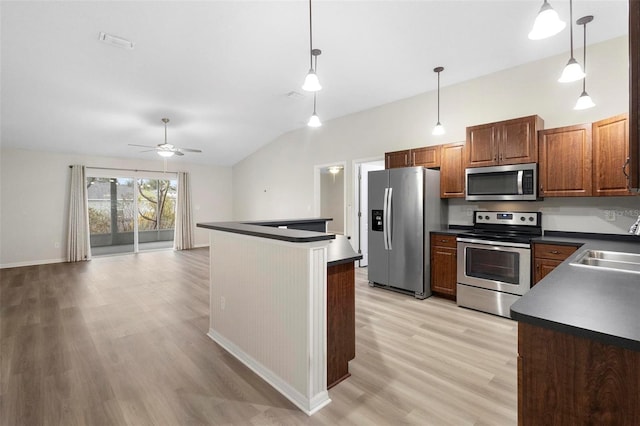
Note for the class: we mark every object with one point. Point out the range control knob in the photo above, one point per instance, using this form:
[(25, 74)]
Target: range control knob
[(522, 218), (486, 217), (479, 217), (530, 218)]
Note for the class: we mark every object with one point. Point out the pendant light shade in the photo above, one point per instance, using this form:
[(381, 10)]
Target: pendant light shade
[(311, 82), (584, 101), (439, 129), (547, 23), (572, 71)]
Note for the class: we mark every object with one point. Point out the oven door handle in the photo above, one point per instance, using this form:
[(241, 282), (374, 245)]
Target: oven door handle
[(493, 243)]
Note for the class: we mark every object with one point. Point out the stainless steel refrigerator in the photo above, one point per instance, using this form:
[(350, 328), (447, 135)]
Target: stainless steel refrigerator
[(404, 206)]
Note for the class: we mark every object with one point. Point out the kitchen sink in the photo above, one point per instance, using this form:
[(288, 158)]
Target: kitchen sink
[(613, 260)]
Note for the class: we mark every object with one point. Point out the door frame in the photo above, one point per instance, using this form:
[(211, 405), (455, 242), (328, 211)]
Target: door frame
[(317, 170)]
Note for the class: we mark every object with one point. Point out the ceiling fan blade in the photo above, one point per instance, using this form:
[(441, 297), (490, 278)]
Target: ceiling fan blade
[(143, 146), (149, 150), (189, 150), (178, 153)]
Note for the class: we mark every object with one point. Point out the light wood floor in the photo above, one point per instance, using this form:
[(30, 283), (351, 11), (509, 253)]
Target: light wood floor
[(121, 340)]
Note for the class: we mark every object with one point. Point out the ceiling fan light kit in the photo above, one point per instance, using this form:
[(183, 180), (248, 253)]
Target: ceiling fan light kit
[(165, 149)]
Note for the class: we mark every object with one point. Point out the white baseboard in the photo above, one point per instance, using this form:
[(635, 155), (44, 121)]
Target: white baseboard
[(308, 405), (200, 245), (31, 263)]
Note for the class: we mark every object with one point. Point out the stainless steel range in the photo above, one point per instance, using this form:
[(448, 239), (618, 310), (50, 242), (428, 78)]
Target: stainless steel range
[(494, 260)]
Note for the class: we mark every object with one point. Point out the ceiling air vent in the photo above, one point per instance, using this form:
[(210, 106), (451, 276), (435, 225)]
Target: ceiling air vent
[(115, 41)]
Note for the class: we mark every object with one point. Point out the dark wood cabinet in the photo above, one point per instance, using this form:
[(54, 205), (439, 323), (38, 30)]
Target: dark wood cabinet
[(565, 154), (547, 256), (634, 95), (504, 142), (452, 170), (569, 380), (341, 322), (396, 159), (428, 156), (610, 152), (444, 265)]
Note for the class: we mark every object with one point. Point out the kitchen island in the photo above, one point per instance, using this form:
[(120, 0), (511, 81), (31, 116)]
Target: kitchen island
[(282, 302), (579, 343)]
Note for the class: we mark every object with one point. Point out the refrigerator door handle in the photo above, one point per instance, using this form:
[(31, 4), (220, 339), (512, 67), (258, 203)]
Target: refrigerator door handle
[(389, 219), (384, 218)]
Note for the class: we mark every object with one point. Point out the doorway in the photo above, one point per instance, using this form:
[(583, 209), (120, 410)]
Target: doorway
[(330, 195), (361, 222), (129, 214)]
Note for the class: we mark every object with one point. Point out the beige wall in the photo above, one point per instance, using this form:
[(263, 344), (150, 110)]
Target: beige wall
[(277, 181), (34, 200), (332, 200)]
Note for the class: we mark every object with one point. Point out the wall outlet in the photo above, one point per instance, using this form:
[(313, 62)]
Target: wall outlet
[(469, 212), (56, 245), (223, 302), (610, 215)]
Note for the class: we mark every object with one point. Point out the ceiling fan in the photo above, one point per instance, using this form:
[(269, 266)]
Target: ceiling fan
[(166, 149)]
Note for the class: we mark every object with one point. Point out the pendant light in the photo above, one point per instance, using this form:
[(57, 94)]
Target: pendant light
[(572, 71), (547, 23), (439, 129), (311, 81), (584, 101), (314, 120)]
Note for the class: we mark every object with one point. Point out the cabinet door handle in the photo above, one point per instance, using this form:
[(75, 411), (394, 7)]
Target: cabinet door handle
[(443, 241), (624, 171), (538, 266), (554, 252), (406, 160), (413, 160), (501, 157)]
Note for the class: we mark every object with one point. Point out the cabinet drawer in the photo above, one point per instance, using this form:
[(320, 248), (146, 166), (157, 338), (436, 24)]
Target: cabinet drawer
[(553, 251), (443, 240)]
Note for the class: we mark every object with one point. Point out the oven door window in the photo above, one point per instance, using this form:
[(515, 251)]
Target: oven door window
[(495, 265)]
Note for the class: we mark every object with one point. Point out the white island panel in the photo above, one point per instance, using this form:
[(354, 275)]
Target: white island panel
[(268, 308)]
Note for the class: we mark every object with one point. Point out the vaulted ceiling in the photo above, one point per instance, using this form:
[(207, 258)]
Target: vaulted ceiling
[(228, 73)]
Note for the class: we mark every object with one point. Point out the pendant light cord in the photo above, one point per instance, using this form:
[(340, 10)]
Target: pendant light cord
[(314, 103), (584, 58), (310, 37), (438, 96), (570, 25)]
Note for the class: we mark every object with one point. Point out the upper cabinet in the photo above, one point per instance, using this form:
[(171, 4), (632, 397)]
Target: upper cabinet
[(428, 156), (504, 142), (452, 170), (564, 169), (610, 152), (634, 94)]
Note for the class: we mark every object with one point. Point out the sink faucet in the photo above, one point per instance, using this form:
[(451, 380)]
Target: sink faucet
[(635, 228)]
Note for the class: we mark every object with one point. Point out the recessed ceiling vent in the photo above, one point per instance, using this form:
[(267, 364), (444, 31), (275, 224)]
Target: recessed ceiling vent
[(116, 41)]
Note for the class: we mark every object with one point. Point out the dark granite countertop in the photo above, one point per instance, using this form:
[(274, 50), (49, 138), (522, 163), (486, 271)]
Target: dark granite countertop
[(340, 251), (597, 304), (269, 229), (452, 230)]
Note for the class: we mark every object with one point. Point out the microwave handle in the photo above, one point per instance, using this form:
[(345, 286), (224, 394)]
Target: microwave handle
[(520, 174)]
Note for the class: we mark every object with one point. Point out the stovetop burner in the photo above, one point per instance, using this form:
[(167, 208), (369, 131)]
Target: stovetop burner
[(505, 226)]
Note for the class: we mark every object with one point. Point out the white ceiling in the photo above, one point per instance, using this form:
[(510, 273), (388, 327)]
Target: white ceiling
[(221, 70)]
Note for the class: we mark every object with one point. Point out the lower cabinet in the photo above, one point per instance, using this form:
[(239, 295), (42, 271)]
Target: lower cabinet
[(444, 265), (547, 256), (568, 380), (341, 322)]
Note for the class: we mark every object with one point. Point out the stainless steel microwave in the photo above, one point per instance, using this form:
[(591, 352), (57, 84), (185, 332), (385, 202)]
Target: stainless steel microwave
[(517, 182)]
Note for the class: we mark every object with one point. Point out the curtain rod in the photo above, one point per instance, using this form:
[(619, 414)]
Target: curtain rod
[(127, 170)]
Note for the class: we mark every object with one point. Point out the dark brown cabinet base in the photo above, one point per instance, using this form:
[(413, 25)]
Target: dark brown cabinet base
[(569, 380), (341, 322)]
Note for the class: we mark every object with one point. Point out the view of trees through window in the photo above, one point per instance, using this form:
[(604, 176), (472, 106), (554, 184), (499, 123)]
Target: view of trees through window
[(111, 204)]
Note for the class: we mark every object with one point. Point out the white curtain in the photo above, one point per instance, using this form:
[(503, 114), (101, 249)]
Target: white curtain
[(183, 237), (78, 244)]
